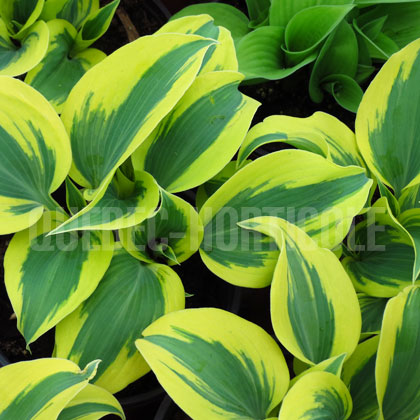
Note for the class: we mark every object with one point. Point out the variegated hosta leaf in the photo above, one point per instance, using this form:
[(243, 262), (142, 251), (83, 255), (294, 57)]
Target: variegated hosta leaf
[(74, 11), (321, 133), (387, 123), (171, 236), (333, 365), (372, 309), (92, 403), (359, 376), (56, 74), (301, 187), (317, 395), (314, 307), (219, 57), (128, 299), (398, 364), (410, 198), (215, 365), (383, 255), (18, 59), (117, 208), (20, 15), (107, 121), (94, 26), (48, 277), (41, 388), (74, 197), (35, 155), (410, 219), (180, 154)]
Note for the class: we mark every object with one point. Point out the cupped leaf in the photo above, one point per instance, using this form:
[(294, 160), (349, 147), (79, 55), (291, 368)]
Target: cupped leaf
[(382, 261), (316, 395), (48, 277), (387, 123), (308, 28), (359, 376), (128, 299), (17, 58), (92, 403), (74, 11), (119, 207), (57, 73), (200, 135), (345, 89), (314, 307), (221, 56), (171, 236), (397, 366), (299, 186), (74, 197), (19, 15), (261, 56), (372, 313), (223, 14), (108, 121), (95, 25), (41, 388), (36, 155), (320, 133), (245, 378)]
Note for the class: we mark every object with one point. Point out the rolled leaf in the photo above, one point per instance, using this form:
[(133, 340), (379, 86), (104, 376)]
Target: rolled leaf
[(107, 122), (314, 308), (387, 123), (397, 365), (128, 299), (258, 12), (200, 135), (48, 277), (171, 236), (74, 197), (372, 313), (317, 395), (41, 388), (359, 376), (309, 191), (92, 403), (36, 155), (56, 74), (410, 219), (410, 198), (245, 378)]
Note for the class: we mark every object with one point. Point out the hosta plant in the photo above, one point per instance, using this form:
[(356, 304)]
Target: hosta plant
[(342, 40)]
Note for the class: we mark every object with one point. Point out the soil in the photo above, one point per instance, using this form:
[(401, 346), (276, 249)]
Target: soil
[(288, 97)]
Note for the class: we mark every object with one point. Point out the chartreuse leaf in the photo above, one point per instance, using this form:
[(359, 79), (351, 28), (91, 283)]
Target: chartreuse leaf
[(74, 197), (95, 25), (92, 403), (175, 231), (35, 155), (47, 277), (245, 378), (320, 133), (57, 74), (314, 307), (308, 28), (382, 264), (107, 122), (317, 395), (74, 11), (18, 59), (261, 55), (359, 376), (128, 299), (372, 309), (223, 14), (315, 194), (219, 57), (41, 388), (117, 208), (387, 124), (19, 15), (179, 153), (397, 364)]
